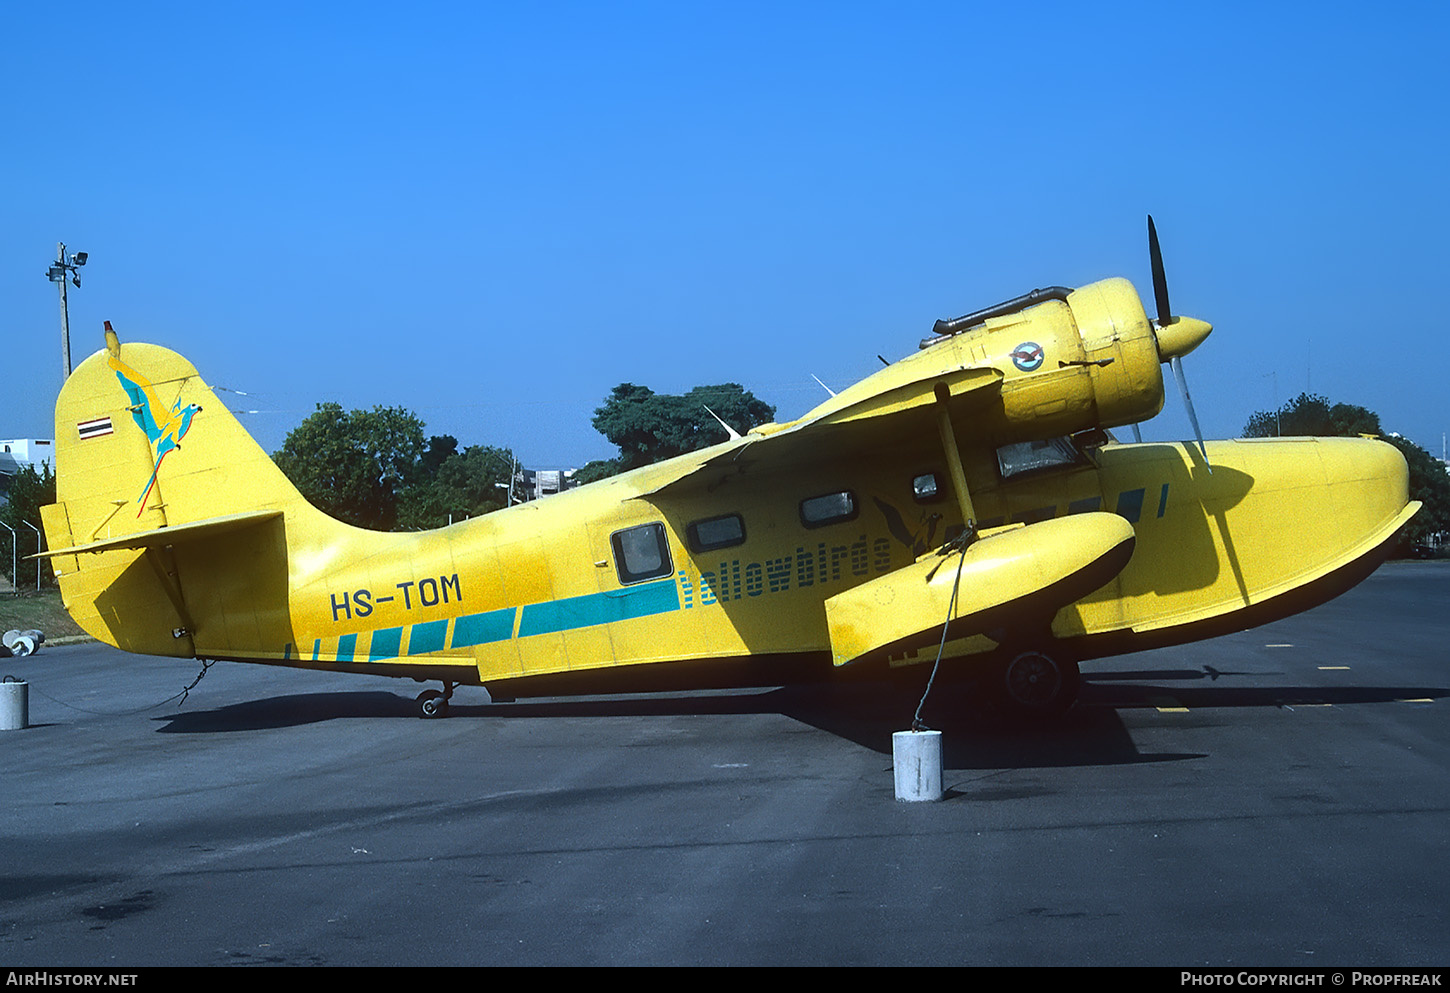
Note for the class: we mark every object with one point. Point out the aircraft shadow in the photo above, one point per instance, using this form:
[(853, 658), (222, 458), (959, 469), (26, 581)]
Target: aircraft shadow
[(977, 734), (866, 714), (288, 711), (1144, 689), (314, 708)]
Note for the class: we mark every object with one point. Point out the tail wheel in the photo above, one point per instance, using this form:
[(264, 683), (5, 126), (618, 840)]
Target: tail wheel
[(1039, 684), (432, 703)]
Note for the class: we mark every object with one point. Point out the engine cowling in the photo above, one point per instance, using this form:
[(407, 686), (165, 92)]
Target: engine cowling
[(1091, 359)]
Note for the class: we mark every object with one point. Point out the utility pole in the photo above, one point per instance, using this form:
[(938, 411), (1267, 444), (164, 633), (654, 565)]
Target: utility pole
[(63, 266)]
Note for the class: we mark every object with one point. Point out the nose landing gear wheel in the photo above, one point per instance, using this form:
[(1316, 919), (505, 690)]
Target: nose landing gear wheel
[(1039, 685)]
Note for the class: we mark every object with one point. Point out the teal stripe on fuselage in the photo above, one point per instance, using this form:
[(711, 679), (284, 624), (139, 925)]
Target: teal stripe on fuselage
[(385, 644), (1130, 505), (587, 611), (644, 600), (427, 637), (600, 608), (482, 629)]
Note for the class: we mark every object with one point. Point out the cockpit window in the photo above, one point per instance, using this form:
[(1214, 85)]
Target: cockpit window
[(1032, 456)]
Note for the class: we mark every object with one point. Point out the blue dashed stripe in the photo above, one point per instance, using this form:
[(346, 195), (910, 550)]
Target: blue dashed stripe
[(483, 629), (385, 644), (427, 637), (1130, 505)]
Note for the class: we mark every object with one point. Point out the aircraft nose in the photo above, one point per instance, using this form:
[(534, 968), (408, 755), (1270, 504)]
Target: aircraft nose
[(1375, 469), (1182, 336), (1362, 489)]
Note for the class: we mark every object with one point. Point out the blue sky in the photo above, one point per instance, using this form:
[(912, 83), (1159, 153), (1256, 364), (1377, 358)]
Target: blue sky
[(493, 213)]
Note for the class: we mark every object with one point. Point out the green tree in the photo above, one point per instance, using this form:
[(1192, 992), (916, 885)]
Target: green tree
[(1312, 415), (440, 448), (650, 427), (28, 491), (1429, 483), (462, 484), (356, 464), (598, 469)]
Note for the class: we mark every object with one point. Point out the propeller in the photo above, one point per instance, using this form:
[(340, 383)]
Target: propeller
[(1177, 336)]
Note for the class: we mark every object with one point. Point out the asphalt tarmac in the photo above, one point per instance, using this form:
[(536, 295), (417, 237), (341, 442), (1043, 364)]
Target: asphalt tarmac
[(1277, 797)]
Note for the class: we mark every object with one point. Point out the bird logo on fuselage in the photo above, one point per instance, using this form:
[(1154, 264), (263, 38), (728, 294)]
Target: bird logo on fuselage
[(1027, 356), (165, 431)]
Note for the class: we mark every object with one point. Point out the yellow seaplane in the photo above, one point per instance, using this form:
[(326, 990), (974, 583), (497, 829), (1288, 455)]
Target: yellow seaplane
[(965, 503)]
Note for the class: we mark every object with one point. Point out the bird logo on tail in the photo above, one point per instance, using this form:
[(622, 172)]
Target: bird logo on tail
[(163, 426)]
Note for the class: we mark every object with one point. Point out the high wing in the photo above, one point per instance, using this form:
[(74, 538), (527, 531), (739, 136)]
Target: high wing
[(855, 421)]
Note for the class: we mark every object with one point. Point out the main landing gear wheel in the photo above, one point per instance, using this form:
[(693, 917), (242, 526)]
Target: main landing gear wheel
[(1040, 685), (434, 703)]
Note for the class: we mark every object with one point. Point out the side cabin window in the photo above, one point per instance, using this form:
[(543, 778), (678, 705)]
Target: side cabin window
[(1036, 456), (716, 532), (641, 553), (828, 508)]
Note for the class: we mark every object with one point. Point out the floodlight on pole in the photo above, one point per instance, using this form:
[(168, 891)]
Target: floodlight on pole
[(63, 266)]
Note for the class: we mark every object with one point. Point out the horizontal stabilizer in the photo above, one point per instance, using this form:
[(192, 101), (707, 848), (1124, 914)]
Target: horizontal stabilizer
[(1010, 579), (174, 535)]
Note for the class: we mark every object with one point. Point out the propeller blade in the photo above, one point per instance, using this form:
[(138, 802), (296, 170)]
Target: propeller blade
[(1160, 279), (1177, 364)]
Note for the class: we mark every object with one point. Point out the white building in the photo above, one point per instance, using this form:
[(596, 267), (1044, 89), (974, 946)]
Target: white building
[(538, 483), (17, 453)]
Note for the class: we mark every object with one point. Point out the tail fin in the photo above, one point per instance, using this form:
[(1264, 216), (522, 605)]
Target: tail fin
[(142, 442), (153, 470)]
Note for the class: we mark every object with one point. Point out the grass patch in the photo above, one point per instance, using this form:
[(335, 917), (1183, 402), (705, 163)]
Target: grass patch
[(41, 611)]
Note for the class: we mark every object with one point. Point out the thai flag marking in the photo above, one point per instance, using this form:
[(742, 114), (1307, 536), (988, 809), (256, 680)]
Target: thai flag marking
[(94, 429)]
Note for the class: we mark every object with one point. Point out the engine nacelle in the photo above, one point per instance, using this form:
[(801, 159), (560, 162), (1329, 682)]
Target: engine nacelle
[(1082, 359)]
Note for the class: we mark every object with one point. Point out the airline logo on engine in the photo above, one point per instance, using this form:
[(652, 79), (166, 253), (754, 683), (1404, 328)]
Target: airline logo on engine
[(1027, 356)]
